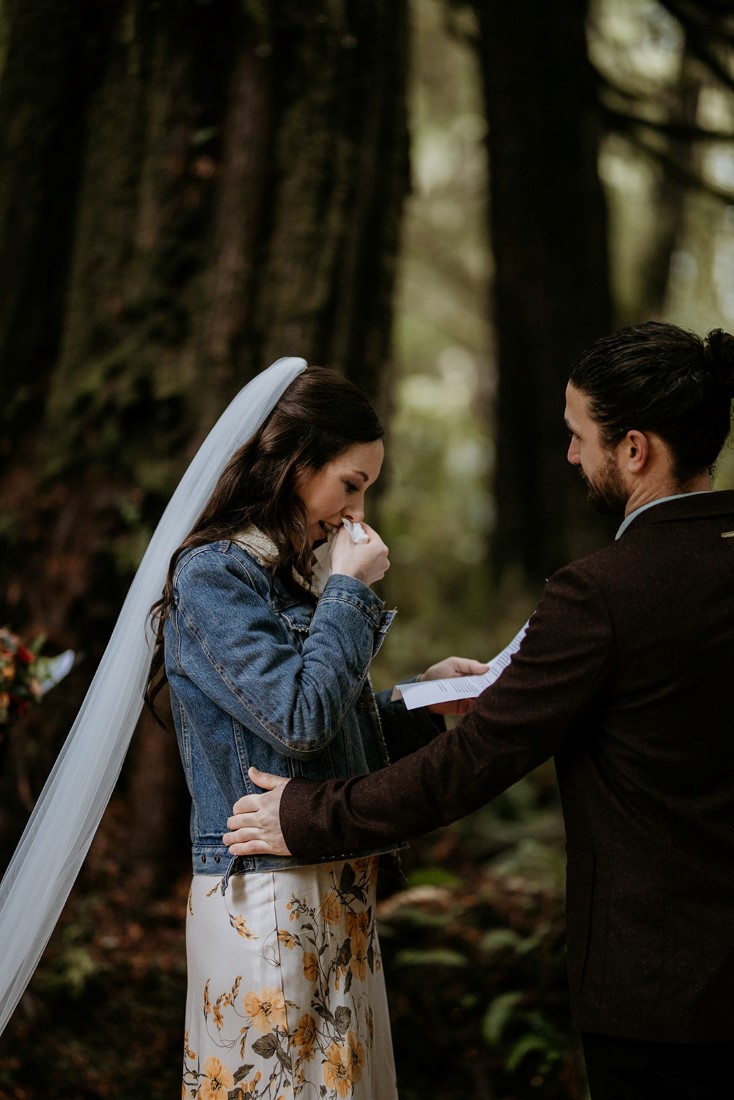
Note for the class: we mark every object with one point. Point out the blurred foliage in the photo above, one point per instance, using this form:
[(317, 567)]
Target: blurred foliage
[(473, 943), (475, 956), (437, 510)]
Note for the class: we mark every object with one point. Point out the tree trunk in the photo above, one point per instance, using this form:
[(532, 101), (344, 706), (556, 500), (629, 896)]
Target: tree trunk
[(670, 196), (224, 184), (551, 293)]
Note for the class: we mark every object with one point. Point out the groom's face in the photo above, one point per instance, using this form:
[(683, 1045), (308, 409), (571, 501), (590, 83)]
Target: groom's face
[(597, 462)]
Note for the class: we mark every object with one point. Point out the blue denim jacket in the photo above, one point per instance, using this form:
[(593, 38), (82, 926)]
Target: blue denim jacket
[(260, 675)]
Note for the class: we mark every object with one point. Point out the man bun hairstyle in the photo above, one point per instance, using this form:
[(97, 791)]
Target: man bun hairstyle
[(661, 378), (719, 356)]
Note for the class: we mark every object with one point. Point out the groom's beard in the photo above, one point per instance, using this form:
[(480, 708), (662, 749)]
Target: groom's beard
[(607, 493)]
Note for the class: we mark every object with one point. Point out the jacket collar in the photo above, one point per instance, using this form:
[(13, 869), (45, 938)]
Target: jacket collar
[(263, 550), (685, 506)]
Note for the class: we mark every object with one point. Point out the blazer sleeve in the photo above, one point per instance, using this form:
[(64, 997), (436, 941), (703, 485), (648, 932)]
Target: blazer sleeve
[(554, 680)]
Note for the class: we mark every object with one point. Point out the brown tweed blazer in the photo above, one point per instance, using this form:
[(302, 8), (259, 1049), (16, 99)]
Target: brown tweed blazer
[(626, 678)]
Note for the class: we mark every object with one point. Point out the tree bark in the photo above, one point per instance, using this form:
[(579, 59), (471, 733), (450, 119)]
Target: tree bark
[(224, 182), (551, 292)]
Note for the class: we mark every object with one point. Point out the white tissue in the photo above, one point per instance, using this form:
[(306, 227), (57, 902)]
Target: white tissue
[(356, 531)]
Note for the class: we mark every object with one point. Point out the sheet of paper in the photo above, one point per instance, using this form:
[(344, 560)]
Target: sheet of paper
[(459, 687)]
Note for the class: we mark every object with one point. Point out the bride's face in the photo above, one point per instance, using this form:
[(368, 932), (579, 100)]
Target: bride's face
[(337, 490)]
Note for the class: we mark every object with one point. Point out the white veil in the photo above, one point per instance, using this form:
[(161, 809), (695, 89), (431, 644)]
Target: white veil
[(63, 823)]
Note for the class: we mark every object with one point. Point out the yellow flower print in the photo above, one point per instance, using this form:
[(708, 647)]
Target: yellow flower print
[(305, 1036), (310, 966), (218, 1017), (241, 928), (187, 1049), (288, 940), (207, 1002), (338, 1069), (266, 1009), (331, 909), (356, 1054), (358, 961), (357, 922), (217, 1081)]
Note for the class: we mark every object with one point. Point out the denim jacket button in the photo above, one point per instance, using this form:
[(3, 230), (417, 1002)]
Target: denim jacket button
[(217, 859), (203, 859)]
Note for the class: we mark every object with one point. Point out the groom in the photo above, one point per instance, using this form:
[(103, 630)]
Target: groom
[(626, 677)]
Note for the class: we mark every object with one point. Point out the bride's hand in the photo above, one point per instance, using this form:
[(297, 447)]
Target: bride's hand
[(443, 670), (367, 561)]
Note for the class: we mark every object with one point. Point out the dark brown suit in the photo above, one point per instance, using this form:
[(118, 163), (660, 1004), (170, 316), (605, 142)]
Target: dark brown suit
[(626, 677)]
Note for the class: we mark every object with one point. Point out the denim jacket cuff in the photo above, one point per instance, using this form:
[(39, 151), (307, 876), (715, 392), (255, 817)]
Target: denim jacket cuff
[(355, 592)]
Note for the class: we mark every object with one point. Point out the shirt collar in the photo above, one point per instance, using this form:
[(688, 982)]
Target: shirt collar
[(651, 504)]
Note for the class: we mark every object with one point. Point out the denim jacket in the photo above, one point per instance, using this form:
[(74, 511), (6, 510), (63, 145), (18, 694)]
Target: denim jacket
[(261, 675)]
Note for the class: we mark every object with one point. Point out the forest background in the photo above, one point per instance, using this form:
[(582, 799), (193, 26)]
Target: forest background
[(445, 200)]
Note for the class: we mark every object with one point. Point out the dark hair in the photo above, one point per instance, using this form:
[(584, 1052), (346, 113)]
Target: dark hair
[(661, 378), (319, 416)]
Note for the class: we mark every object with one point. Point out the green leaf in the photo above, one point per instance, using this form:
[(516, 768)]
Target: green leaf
[(342, 1018), (497, 1015), (266, 1046), (433, 876), (416, 957), (499, 939), (524, 1046), (347, 878)]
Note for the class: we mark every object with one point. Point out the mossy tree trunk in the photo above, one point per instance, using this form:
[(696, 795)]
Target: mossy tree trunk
[(188, 191), (551, 290)]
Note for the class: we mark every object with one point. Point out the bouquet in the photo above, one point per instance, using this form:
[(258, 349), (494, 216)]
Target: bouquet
[(26, 676)]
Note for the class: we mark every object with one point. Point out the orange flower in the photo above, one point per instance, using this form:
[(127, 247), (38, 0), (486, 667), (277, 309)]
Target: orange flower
[(358, 961), (305, 1036), (331, 909), (310, 967), (287, 939), (266, 1009), (357, 922), (217, 1081), (338, 1069), (356, 1054), (187, 1049), (240, 926)]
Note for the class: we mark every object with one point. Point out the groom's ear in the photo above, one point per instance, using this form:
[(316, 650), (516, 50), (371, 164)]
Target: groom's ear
[(635, 451)]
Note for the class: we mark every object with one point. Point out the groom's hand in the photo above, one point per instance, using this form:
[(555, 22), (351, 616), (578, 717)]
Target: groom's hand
[(255, 822)]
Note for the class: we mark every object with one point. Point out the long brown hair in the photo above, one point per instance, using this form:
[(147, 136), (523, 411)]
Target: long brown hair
[(319, 416)]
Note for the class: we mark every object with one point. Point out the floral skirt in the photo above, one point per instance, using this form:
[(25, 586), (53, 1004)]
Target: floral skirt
[(286, 993)]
